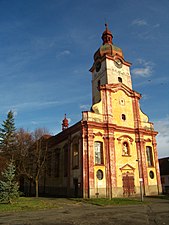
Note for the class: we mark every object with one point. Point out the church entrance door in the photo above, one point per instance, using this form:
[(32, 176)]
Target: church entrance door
[(128, 184)]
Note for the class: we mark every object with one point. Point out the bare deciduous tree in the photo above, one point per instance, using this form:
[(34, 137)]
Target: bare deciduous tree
[(31, 154), (39, 152)]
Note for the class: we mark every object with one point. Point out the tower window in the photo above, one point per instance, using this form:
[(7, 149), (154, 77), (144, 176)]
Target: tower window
[(123, 116), (120, 79)]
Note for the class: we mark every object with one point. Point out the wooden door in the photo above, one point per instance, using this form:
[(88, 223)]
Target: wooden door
[(128, 184)]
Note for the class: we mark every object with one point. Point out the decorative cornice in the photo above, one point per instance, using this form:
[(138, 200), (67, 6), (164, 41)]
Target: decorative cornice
[(148, 140), (120, 86), (127, 165), (125, 137), (98, 134)]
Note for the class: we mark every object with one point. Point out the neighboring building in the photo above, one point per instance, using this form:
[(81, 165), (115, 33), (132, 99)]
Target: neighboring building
[(164, 172), (112, 150)]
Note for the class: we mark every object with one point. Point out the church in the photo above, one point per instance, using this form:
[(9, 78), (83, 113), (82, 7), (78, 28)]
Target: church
[(112, 150)]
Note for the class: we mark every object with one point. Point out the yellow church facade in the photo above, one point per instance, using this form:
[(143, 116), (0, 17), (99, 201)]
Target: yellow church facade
[(112, 151), (118, 131)]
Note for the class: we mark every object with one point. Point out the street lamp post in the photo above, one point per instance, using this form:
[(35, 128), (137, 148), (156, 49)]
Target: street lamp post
[(140, 180), (141, 188)]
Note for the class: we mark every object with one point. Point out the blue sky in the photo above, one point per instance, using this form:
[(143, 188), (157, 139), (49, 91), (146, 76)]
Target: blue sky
[(46, 51)]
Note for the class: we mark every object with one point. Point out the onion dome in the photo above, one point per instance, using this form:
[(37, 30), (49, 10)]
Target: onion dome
[(65, 123), (107, 36), (107, 48)]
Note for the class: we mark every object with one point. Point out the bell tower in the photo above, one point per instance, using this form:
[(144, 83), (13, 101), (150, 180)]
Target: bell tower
[(109, 66)]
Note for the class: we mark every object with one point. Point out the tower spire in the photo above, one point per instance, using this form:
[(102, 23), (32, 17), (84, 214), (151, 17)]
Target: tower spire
[(107, 36)]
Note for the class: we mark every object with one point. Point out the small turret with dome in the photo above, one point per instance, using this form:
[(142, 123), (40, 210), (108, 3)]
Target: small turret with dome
[(107, 48), (107, 36), (65, 123)]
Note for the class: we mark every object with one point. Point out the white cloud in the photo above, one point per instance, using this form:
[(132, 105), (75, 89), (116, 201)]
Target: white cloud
[(156, 25), (147, 31), (144, 69), (162, 126), (139, 22), (63, 53), (85, 107), (142, 72), (34, 122), (30, 105)]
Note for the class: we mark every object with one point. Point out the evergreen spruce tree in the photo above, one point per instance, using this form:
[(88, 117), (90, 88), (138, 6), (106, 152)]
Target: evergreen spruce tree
[(9, 188), (7, 136)]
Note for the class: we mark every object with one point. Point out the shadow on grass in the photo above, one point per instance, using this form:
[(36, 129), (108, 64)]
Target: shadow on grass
[(106, 202), (165, 197)]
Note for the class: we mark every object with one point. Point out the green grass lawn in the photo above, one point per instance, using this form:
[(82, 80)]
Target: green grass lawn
[(32, 203), (113, 201), (27, 203)]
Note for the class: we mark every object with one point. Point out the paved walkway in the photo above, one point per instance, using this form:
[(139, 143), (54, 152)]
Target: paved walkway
[(155, 212)]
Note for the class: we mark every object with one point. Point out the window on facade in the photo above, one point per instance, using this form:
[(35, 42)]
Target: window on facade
[(123, 116), (120, 79), (98, 147), (65, 160), (151, 174), (149, 156), (99, 174), (125, 148), (49, 164), (75, 156), (57, 163)]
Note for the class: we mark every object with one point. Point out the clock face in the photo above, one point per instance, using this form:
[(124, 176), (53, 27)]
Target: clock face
[(98, 66), (118, 63)]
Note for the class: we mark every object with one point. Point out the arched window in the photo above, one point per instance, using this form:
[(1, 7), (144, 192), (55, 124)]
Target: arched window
[(75, 155), (149, 156), (120, 79), (57, 162), (98, 148), (66, 160), (49, 164), (125, 148), (123, 116)]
